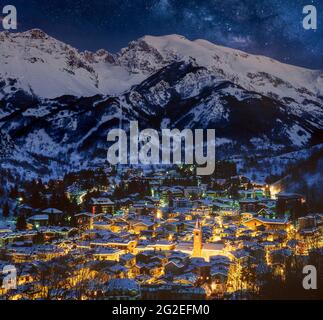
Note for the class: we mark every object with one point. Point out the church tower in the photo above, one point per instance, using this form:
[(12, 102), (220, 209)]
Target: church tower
[(197, 246)]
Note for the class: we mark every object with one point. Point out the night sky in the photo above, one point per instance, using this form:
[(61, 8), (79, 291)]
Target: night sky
[(269, 27)]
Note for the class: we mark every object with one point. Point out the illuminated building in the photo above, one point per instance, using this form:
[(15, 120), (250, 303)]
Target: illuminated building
[(102, 205), (197, 245)]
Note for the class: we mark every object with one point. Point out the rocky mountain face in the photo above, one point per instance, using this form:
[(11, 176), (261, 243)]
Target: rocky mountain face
[(57, 104)]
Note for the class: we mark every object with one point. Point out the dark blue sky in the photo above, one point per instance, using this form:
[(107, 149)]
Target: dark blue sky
[(268, 27)]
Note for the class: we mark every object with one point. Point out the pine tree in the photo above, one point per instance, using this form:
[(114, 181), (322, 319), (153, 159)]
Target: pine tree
[(39, 238), (21, 223), (5, 210), (14, 192)]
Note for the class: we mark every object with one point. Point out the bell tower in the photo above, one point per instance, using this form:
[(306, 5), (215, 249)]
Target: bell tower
[(197, 245)]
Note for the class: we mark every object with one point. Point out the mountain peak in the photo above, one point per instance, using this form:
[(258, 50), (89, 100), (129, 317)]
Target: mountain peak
[(32, 34), (36, 34), (174, 37)]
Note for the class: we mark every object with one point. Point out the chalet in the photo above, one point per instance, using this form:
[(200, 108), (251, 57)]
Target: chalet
[(25, 210), (182, 203), (266, 213), (102, 253), (143, 208), (155, 269), (175, 267), (142, 225), (55, 215), (118, 271), (128, 260), (39, 220), (258, 193), (102, 225), (176, 192), (200, 267), (192, 191), (144, 256), (246, 194), (119, 226), (175, 226), (102, 205), (225, 207), (241, 256), (162, 245), (202, 209), (307, 222), (52, 211), (29, 254), (246, 216), (248, 205), (186, 279), (142, 268), (118, 243), (268, 224), (84, 220), (122, 289), (280, 256), (219, 276), (289, 203), (11, 237)]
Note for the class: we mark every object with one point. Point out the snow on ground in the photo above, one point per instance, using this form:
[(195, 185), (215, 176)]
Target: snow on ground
[(275, 165), (298, 136), (39, 142)]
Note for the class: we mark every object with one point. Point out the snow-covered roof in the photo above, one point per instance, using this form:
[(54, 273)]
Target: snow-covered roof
[(52, 211), (39, 217), (123, 285), (102, 201)]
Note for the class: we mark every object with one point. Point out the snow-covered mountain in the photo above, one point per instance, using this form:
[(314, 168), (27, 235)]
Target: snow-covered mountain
[(256, 73), (48, 68), (57, 104), (41, 65)]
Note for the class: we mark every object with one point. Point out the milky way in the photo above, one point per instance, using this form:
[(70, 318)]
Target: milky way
[(272, 28)]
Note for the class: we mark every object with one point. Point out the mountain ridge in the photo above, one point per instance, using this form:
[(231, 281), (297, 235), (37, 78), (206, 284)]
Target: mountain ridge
[(88, 73)]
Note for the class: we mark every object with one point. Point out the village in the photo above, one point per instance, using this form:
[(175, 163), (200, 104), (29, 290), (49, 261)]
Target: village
[(159, 233)]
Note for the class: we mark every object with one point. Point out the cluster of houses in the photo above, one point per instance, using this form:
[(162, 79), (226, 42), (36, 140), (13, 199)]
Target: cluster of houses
[(180, 242)]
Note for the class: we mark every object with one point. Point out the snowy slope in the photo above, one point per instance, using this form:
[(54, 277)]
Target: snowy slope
[(256, 73), (41, 65)]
